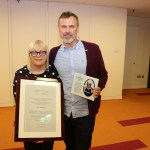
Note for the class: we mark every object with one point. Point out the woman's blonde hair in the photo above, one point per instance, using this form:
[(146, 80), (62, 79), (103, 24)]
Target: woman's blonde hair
[(33, 45)]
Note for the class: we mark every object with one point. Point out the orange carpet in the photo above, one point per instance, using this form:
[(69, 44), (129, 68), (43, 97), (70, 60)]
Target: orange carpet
[(108, 134), (15, 149), (128, 145)]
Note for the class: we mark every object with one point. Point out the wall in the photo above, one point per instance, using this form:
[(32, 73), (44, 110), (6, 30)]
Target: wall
[(137, 53), (5, 68), (29, 20)]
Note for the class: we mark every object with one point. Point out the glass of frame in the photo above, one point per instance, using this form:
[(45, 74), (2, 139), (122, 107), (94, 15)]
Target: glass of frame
[(39, 109)]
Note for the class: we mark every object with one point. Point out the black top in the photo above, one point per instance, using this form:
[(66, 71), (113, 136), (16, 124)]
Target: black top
[(51, 72)]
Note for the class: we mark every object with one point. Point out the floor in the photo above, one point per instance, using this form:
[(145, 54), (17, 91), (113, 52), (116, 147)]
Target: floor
[(120, 124)]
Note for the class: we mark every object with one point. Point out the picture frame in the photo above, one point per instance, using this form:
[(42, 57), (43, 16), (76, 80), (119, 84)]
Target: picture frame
[(39, 109)]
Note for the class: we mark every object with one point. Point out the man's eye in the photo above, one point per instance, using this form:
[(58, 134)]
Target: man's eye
[(63, 27), (71, 27)]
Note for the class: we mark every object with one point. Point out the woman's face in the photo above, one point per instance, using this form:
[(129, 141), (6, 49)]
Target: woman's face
[(38, 56)]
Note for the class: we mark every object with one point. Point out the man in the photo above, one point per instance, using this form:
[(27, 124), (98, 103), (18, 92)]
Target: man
[(88, 89), (85, 58)]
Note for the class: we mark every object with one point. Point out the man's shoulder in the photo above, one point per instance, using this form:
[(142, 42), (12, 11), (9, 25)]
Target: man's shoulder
[(86, 43), (91, 46), (55, 48), (53, 53)]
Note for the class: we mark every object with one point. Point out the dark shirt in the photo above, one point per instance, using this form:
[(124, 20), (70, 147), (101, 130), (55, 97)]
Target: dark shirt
[(51, 72)]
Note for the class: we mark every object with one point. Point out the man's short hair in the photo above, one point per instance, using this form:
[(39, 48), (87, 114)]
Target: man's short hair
[(68, 14)]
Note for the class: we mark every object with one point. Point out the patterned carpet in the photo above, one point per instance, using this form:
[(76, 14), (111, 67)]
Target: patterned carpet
[(128, 145), (135, 121), (120, 125), (143, 94)]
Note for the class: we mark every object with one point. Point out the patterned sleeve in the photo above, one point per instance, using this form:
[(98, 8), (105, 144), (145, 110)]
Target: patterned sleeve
[(54, 72), (15, 85)]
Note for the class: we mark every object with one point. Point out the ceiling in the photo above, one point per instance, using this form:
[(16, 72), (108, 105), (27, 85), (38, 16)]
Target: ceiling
[(137, 8)]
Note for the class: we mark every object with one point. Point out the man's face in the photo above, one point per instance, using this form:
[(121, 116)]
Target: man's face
[(89, 85), (68, 28)]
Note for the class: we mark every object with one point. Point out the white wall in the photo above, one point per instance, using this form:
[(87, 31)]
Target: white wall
[(5, 65), (108, 29), (137, 53), (30, 20)]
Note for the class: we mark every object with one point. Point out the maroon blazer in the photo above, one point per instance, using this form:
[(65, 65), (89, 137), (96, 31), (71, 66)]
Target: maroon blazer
[(95, 68)]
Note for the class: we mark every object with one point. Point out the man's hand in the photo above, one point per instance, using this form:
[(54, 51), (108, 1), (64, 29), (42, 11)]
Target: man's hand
[(96, 92)]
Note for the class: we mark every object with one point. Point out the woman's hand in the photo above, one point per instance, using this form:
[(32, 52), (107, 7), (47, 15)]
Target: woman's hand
[(38, 141)]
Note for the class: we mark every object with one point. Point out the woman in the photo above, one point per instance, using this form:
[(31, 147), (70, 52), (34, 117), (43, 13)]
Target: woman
[(37, 67)]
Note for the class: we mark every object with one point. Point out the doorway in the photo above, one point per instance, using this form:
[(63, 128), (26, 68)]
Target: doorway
[(148, 83)]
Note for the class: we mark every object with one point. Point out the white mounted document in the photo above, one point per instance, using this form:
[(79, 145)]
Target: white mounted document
[(39, 109), (83, 85)]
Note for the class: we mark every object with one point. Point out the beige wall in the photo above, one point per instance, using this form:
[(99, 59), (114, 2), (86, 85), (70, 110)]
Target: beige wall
[(5, 64), (26, 21), (137, 53)]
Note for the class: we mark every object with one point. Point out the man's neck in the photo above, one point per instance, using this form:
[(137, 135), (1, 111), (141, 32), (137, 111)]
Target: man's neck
[(72, 44)]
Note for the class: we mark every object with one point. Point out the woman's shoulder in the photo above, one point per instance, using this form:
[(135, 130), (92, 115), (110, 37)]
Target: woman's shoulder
[(22, 70), (51, 67), (52, 71)]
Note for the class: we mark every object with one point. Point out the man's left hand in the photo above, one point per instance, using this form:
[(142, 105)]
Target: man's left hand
[(96, 92)]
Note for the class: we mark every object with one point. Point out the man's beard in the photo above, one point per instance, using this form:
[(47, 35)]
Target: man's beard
[(68, 41)]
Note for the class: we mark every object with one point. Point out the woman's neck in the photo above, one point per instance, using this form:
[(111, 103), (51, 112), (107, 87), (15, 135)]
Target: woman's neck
[(36, 69)]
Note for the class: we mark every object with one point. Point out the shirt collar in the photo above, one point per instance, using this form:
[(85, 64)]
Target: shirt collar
[(76, 46)]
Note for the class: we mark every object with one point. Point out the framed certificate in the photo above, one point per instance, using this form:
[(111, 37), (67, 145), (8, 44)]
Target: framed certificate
[(39, 109)]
